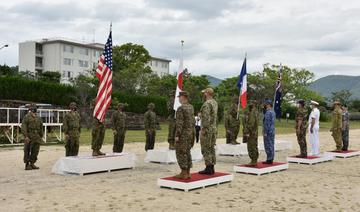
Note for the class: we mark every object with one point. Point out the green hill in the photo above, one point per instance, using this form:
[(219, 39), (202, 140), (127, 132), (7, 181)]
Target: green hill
[(332, 83), (213, 80)]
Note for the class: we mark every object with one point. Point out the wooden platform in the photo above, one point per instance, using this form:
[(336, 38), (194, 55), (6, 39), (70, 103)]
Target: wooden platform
[(166, 156), (344, 154), (82, 165), (231, 149), (261, 168), (310, 160), (196, 181)]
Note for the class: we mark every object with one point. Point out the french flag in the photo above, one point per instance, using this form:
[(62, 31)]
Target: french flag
[(242, 85)]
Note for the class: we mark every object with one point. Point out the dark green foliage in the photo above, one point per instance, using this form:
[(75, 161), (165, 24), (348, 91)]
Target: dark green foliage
[(36, 91)]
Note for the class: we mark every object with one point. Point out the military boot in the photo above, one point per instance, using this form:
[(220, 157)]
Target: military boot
[(182, 175), (95, 153), (212, 167), (252, 163), (33, 166), (171, 147), (100, 153), (28, 167), (188, 173)]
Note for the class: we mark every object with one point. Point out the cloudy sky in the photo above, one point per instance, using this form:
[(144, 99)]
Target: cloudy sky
[(322, 36)]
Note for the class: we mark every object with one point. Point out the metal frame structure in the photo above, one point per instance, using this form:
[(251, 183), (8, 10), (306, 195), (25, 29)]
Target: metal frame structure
[(50, 117)]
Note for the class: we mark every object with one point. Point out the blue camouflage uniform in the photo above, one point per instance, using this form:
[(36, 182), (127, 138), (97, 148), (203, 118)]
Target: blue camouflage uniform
[(269, 133)]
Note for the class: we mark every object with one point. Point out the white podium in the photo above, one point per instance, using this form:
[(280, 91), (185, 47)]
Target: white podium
[(196, 181), (82, 165), (310, 160), (344, 154), (231, 149), (280, 145), (167, 156), (260, 168)]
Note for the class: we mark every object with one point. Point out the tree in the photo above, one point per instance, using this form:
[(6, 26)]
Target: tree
[(86, 86), (343, 96), (6, 70), (50, 76), (194, 85), (130, 68), (355, 105)]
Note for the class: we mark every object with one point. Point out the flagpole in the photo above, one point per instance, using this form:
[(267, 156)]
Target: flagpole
[(181, 65)]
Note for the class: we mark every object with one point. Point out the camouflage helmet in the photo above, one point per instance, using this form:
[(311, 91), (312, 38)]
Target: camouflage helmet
[(121, 105), (151, 106), (183, 93), (72, 105), (32, 106), (208, 90)]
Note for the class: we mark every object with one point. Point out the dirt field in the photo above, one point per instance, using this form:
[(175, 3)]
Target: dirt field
[(331, 186)]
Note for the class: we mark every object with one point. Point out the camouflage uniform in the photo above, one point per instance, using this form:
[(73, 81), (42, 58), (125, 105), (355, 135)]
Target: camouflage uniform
[(337, 127), (301, 116), (150, 127), (232, 124), (185, 131), (345, 131), (72, 131), (118, 119), (98, 134), (171, 119), (209, 131), (32, 128), (251, 124)]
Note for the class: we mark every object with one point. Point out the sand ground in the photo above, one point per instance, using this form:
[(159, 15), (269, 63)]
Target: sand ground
[(331, 186)]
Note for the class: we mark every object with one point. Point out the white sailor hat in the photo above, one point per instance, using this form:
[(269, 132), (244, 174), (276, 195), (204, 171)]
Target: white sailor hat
[(314, 102)]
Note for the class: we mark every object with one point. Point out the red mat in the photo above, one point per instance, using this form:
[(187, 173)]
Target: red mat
[(348, 151), (260, 165), (197, 177)]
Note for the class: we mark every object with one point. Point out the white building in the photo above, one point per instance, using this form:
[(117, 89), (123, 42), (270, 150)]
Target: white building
[(70, 58), (160, 66)]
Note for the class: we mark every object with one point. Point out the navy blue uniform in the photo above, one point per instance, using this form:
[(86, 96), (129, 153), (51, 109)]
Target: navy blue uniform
[(269, 134)]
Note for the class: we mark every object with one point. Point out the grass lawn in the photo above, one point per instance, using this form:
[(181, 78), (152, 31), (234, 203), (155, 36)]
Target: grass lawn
[(282, 127)]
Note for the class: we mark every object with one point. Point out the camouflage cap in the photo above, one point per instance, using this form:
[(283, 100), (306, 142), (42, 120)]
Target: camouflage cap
[(208, 90), (32, 106), (336, 102), (121, 105), (301, 101), (183, 93), (267, 102), (72, 105), (151, 106)]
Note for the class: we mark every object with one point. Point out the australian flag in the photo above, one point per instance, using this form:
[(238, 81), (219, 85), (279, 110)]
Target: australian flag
[(278, 93)]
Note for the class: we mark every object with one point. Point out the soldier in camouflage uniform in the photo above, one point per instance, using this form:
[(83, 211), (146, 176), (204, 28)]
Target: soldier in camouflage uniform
[(232, 123), (118, 119), (150, 127), (301, 128), (337, 125), (97, 134), (185, 135), (251, 124), (171, 120), (345, 128), (269, 132), (32, 128), (72, 131), (208, 131)]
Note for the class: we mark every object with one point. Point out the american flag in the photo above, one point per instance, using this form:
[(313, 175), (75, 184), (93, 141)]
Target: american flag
[(104, 74)]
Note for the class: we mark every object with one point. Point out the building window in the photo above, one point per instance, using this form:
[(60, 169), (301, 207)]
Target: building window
[(67, 48), (69, 74), (67, 61), (83, 63), (97, 53), (84, 51)]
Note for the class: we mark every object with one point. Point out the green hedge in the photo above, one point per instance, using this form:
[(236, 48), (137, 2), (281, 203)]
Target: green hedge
[(15, 88), (138, 104)]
